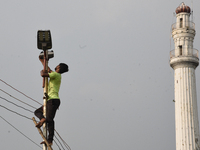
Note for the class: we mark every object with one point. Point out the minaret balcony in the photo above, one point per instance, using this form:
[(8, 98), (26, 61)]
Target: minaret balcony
[(187, 58), (181, 25), (187, 52)]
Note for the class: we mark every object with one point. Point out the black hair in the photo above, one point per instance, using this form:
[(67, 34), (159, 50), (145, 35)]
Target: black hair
[(63, 68)]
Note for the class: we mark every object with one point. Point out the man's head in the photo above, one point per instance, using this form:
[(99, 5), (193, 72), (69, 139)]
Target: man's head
[(62, 68)]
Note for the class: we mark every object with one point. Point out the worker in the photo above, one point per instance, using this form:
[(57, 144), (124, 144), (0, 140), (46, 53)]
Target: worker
[(53, 100)]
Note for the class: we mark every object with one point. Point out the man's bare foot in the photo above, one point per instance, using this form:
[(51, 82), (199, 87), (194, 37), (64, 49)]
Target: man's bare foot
[(39, 124)]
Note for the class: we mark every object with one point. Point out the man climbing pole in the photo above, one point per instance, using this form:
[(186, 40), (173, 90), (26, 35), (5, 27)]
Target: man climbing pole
[(53, 100)]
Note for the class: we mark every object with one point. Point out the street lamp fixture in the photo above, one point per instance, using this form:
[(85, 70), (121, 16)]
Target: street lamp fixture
[(44, 39)]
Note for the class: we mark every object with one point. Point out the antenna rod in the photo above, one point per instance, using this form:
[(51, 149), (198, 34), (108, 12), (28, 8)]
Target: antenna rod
[(192, 10)]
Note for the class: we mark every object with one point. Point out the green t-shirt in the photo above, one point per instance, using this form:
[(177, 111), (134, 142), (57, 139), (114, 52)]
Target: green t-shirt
[(54, 85)]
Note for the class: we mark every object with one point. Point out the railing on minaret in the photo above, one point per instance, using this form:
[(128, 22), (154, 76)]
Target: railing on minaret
[(184, 59), (187, 24), (189, 52)]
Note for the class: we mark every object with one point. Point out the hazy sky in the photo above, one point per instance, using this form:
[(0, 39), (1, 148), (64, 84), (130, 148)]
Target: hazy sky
[(119, 91)]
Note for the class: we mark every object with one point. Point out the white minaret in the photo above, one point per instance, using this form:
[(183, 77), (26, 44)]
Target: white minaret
[(184, 60)]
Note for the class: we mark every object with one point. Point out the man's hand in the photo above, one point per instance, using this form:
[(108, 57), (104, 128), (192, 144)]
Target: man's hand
[(44, 74), (42, 61)]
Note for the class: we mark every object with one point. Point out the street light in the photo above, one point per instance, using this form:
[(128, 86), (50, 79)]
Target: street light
[(44, 43), (44, 39)]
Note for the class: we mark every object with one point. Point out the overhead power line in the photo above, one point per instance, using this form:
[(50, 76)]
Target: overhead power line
[(15, 112), (31, 119), (65, 144), (16, 104), (17, 99), (57, 143), (19, 91), (21, 132)]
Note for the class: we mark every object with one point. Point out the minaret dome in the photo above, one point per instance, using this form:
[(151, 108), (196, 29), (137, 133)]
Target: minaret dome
[(182, 8)]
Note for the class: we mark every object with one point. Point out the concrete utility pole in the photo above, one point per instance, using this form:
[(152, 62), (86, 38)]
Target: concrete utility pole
[(45, 95), (44, 43), (184, 60)]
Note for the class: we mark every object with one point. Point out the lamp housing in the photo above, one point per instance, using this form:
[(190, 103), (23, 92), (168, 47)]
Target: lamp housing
[(44, 39)]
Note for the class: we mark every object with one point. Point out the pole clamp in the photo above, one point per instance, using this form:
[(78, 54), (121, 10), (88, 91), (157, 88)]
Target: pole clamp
[(46, 96)]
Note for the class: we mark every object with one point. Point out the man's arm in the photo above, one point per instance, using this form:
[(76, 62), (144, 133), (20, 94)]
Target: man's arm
[(42, 61), (44, 74)]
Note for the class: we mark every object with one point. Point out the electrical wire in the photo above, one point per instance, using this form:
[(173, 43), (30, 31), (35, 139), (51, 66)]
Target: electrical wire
[(16, 105), (21, 132), (19, 91), (17, 99), (57, 143), (16, 112), (29, 119), (54, 129), (65, 144)]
